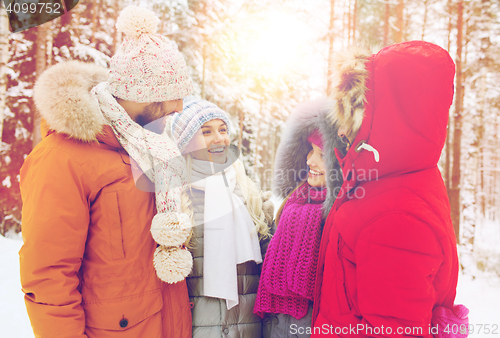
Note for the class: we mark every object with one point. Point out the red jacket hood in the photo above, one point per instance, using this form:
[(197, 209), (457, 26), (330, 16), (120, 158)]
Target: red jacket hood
[(407, 96)]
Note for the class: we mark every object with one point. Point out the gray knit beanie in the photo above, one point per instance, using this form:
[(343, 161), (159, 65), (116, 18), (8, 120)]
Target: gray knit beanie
[(196, 112)]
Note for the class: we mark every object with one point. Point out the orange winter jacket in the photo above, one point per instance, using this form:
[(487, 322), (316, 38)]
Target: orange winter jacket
[(87, 259)]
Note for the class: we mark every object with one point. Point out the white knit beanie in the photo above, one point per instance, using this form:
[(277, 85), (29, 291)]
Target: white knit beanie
[(147, 67)]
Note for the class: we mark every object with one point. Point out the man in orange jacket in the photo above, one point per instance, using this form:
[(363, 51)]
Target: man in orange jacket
[(87, 259)]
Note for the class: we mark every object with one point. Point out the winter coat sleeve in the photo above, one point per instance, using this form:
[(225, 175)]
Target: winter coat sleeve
[(397, 258), (54, 227)]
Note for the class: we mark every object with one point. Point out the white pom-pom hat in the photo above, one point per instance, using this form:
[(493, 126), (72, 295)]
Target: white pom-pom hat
[(147, 67)]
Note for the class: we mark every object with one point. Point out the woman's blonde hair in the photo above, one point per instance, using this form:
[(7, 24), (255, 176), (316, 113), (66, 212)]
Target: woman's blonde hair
[(251, 194)]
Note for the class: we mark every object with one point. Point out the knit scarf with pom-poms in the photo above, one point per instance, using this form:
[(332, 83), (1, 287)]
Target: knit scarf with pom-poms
[(289, 269), (161, 161)]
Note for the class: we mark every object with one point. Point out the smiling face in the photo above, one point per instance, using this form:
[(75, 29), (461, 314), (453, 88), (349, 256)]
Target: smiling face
[(317, 172), (211, 142)]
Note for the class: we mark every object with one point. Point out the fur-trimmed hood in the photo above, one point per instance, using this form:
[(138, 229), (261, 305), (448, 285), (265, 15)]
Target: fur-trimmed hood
[(394, 104), (290, 164), (62, 96), (391, 220)]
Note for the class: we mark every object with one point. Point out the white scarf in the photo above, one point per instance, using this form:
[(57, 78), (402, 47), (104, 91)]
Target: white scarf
[(230, 236), (161, 161)]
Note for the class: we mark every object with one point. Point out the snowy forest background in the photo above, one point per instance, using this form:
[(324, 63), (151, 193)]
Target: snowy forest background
[(258, 59)]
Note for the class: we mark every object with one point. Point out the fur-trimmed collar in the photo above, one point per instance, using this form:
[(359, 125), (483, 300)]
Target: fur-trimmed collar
[(290, 165), (62, 96)]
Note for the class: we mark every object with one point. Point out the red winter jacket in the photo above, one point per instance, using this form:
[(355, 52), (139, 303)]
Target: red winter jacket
[(388, 253)]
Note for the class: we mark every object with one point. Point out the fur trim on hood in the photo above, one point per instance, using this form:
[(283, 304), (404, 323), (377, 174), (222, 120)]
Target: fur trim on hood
[(394, 107), (62, 96), (290, 166), (349, 78)]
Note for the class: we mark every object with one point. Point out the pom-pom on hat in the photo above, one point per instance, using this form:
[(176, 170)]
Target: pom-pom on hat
[(147, 67), (316, 138), (196, 112)]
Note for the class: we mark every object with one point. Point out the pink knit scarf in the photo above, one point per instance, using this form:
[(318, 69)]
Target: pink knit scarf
[(289, 269)]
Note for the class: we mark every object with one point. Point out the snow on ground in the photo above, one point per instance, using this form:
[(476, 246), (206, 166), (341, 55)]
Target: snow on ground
[(14, 321), (481, 295), (486, 250)]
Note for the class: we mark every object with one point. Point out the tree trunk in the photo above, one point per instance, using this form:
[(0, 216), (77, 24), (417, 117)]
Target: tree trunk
[(256, 158), (349, 23), (447, 156), (447, 163), (494, 201), (204, 68), (457, 133), (386, 23), (344, 24), (41, 64), (50, 46), (483, 152), (331, 37), (63, 36), (450, 26), (241, 117), (4, 58), (400, 21), (426, 6), (95, 14), (354, 18), (480, 192), (116, 35), (273, 147)]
